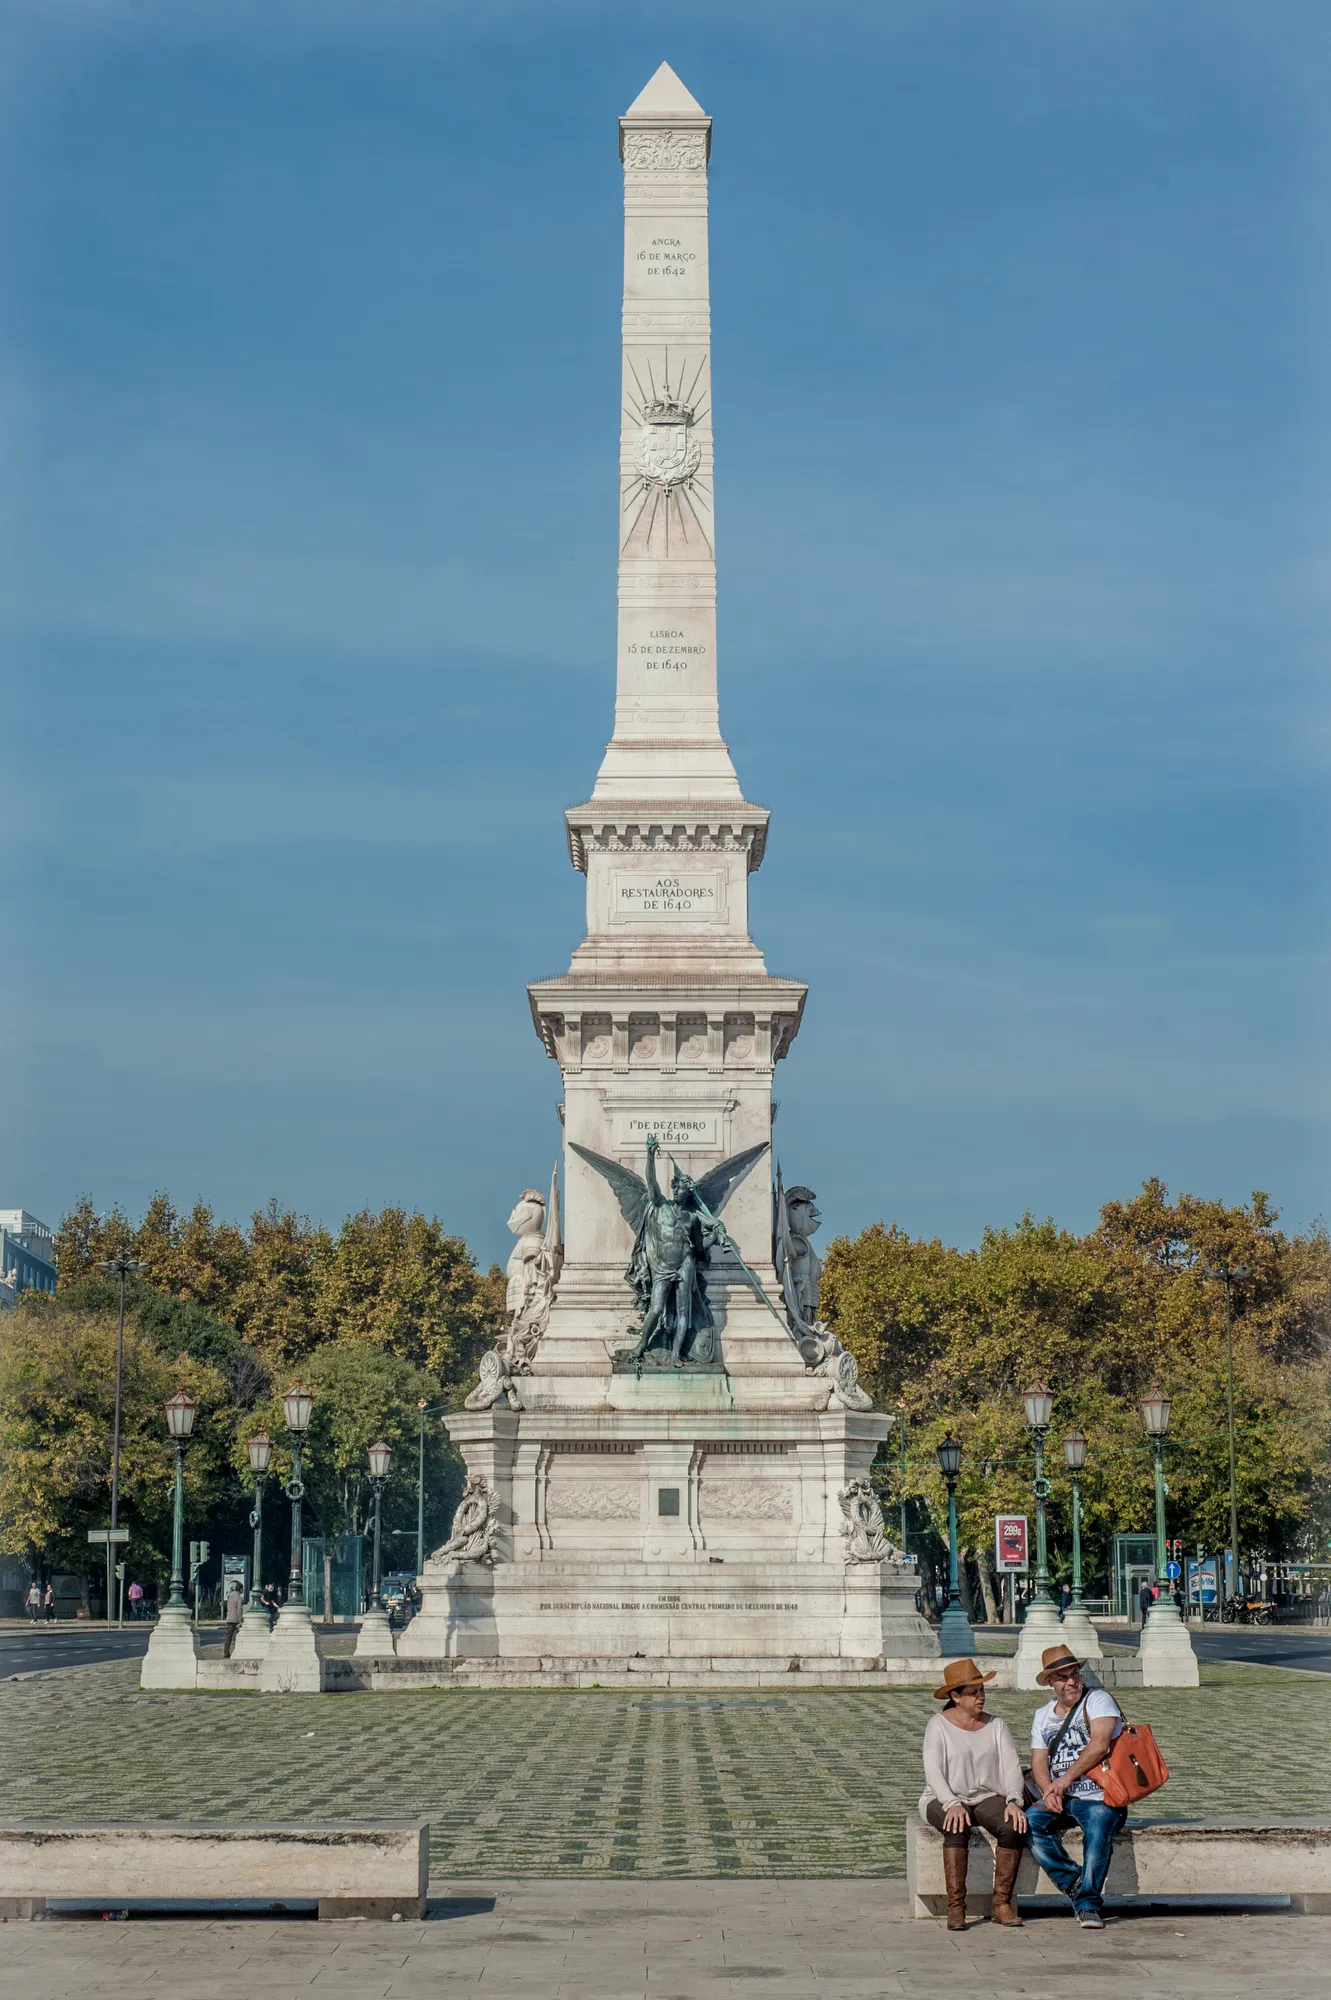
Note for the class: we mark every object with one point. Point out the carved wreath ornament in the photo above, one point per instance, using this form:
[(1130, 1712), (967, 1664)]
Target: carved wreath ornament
[(665, 153)]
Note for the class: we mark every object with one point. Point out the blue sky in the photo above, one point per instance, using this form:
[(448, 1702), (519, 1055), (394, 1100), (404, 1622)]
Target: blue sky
[(308, 379)]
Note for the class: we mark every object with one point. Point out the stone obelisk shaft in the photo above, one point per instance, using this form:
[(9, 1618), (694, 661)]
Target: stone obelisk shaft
[(667, 739)]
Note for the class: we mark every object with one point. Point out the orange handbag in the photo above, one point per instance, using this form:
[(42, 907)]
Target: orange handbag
[(1134, 1767)]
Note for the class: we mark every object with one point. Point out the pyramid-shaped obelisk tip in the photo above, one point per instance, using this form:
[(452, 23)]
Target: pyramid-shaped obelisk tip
[(664, 98)]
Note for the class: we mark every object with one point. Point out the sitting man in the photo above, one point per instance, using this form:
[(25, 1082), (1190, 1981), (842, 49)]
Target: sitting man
[(1069, 1737)]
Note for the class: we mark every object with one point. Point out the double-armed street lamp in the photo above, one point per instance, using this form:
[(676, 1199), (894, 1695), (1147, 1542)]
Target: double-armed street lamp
[(379, 1455), (955, 1636), (261, 1457), (180, 1423), (123, 1266), (297, 1404), (1039, 1410), (1155, 1416)]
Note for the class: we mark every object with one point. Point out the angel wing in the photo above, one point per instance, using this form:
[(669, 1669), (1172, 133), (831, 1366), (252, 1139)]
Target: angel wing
[(717, 1185), (630, 1188)]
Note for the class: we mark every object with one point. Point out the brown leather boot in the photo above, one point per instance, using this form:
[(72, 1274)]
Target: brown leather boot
[(954, 1876), (1007, 1860)]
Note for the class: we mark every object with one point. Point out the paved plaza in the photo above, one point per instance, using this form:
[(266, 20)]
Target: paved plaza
[(754, 1940), (585, 1783)]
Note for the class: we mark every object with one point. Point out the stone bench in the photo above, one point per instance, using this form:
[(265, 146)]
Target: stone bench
[(370, 1870), (1231, 1857)]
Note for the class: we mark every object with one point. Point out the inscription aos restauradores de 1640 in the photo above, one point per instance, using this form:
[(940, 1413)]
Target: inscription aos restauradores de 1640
[(650, 898)]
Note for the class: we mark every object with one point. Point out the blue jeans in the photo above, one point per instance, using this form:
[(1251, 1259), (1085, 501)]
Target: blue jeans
[(1099, 1823)]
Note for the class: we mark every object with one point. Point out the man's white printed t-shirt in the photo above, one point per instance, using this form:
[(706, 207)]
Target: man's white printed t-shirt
[(1046, 1724)]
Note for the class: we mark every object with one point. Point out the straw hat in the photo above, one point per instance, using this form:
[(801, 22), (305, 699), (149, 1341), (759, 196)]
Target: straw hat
[(960, 1674), (1052, 1658)]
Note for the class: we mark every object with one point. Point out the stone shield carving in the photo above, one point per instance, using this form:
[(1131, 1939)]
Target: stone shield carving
[(667, 454)]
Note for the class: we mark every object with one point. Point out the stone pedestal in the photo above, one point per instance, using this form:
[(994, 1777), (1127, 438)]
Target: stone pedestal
[(1042, 1628), (1166, 1655), (679, 1534), (1081, 1636), (374, 1641), (252, 1640), (172, 1658), (291, 1663)]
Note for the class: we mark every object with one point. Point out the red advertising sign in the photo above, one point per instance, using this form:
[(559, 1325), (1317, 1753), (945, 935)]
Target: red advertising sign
[(1011, 1544)]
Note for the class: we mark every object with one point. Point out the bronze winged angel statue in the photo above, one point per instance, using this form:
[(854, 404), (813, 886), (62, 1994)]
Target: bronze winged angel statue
[(673, 1237)]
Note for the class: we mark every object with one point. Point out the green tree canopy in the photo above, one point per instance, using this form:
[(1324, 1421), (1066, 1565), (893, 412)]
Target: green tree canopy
[(951, 1338)]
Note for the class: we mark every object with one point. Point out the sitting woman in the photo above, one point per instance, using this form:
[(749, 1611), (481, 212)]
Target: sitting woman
[(973, 1777)]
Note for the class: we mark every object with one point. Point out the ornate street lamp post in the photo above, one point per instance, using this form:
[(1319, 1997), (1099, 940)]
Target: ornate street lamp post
[(173, 1653), (180, 1422), (121, 1266), (1165, 1650), (1041, 1627), (1155, 1416), (955, 1636), (252, 1639), (290, 1662), (296, 1407), (1074, 1451), (379, 1457), (375, 1638), (1078, 1631), (261, 1457), (1039, 1409)]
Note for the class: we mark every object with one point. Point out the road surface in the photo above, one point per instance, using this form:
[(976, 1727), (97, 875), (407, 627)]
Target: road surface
[(1303, 1646), (83, 1645)]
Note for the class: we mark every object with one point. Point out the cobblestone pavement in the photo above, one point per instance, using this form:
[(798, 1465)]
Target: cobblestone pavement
[(589, 1783), (763, 1940)]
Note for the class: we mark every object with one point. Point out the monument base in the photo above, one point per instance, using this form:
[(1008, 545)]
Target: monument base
[(1165, 1652), (291, 1664), (172, 1658), (1042, 1628), (1081, 1635), (375, 1638), (715, 1539), (254, 1635)]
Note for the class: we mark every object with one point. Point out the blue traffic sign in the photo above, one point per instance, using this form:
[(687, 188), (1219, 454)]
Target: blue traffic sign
[(1173, 1572)]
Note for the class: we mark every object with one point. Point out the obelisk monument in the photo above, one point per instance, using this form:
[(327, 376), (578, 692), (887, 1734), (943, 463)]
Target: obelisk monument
[(668, 1477)]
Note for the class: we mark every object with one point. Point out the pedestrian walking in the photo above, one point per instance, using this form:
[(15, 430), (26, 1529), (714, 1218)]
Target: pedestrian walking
[(1146, 1599), (136, 1600), (235, 1611), (973, 1777), (48, 1604), (1070, 1735), (33, 1600)]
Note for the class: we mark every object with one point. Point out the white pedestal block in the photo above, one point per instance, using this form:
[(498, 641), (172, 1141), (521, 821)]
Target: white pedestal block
[(253, 1637), (1079, 1634), (172, 1658), (1166, 1654), (291, 1664), (1042, 1628), (707, 1535), (374, 1641)]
